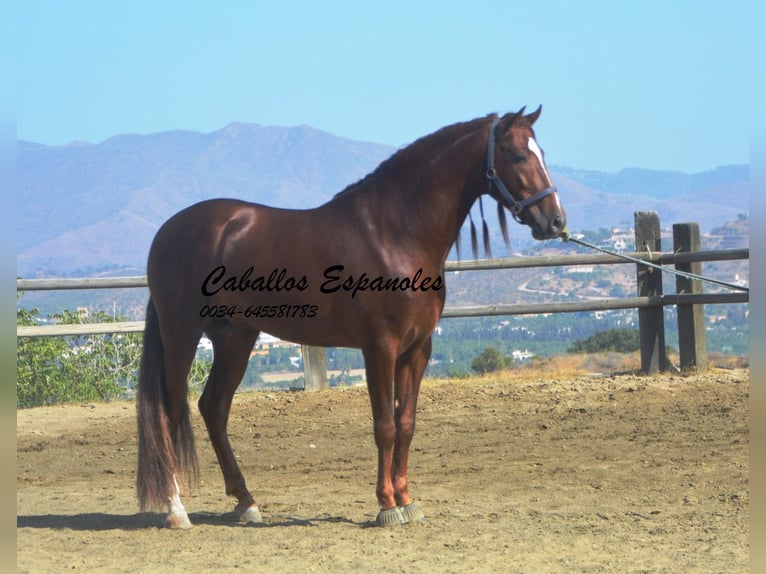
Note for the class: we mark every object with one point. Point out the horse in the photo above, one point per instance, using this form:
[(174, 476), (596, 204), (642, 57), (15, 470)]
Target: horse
[(364, 270)]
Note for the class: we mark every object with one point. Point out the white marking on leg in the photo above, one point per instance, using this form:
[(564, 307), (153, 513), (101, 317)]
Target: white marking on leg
[(251, 514), (177, 516), (176, 506), (535, 149)]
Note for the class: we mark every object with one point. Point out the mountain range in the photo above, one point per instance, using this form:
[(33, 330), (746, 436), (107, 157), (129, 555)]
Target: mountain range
[(92, 209)]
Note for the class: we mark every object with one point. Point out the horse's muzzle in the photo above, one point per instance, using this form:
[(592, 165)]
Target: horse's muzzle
[(552, 229)]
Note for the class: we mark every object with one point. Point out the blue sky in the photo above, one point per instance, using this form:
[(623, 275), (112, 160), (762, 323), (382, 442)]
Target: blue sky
[(653, 84)]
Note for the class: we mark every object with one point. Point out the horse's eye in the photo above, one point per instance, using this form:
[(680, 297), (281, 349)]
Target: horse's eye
[(519, 158)]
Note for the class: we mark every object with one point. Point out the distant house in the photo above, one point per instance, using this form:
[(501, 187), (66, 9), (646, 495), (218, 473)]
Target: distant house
[(266, 341), (622, 238), (518, 355), (579, 269)]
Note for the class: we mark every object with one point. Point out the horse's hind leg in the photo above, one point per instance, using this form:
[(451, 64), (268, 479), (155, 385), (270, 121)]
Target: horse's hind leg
[(231, 351), (179, 355)]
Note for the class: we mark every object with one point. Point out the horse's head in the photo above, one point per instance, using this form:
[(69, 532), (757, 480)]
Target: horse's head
[(519, 178)]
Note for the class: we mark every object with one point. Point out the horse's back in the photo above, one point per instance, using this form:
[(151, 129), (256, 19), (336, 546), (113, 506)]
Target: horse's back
[(204, 214), (197, 229)]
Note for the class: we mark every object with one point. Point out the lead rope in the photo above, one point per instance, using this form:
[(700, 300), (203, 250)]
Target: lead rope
[(567, 238)]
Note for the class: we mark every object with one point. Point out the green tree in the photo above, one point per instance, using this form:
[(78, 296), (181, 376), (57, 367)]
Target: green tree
[(619, 340), (488, 361), (63, 369), (38, 363), (74, 368)]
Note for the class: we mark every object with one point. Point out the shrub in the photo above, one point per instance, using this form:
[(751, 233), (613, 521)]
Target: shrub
[(619, 340), (489, 360), (80, 368), (73, 368)]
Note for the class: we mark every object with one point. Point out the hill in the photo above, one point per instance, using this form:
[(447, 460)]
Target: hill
[(95, 208)]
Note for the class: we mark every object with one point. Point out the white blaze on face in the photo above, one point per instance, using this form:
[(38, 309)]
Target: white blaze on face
[(535, 149)]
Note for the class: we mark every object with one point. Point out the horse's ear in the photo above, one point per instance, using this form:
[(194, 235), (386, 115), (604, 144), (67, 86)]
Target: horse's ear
[(532, 118), (508, 119)]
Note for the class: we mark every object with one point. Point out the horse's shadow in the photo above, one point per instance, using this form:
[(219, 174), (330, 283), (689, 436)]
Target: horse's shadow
[(100, 521)]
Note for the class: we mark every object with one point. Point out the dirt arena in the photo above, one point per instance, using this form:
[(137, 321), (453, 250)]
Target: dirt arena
[(589, 474)]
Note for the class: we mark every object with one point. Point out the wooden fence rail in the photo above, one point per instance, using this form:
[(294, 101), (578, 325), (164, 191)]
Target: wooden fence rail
[(649, 300), (52, 284), (449, 312)]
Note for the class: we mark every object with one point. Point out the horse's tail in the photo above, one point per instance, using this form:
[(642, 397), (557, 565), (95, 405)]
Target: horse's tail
[(159, 453)]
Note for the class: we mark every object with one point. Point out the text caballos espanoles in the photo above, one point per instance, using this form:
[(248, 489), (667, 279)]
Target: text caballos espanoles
[(333, 280)]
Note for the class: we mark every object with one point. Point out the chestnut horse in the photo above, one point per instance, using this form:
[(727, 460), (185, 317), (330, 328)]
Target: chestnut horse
[(364, 270)]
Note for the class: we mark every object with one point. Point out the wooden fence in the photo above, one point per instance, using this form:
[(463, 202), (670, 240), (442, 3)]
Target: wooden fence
[(649, 300)]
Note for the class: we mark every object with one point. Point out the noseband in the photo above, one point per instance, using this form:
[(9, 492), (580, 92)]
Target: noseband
[(516, 207)]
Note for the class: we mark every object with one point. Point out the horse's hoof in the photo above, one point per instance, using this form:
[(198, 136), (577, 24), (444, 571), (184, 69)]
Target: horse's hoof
[(178, 521), (412, 513), (251, 515), (390, 517)]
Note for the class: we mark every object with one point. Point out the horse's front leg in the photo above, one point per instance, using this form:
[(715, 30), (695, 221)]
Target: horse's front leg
[(379, 364), (409, 372)]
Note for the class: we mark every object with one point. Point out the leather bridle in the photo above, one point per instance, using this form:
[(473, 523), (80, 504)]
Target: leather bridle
[(515, 207)]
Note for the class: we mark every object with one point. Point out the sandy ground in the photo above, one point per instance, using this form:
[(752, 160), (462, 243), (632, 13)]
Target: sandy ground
[(593, 474)]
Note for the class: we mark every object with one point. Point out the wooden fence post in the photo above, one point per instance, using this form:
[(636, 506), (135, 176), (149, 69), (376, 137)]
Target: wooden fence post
[(692, 341), (314, 368), (651, 320)]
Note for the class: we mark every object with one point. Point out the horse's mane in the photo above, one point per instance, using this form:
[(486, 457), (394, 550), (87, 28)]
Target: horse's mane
[(412, 155), (403, 161)]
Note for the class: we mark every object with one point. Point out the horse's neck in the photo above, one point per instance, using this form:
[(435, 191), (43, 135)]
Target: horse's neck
[(449, 183), (417, 208)]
